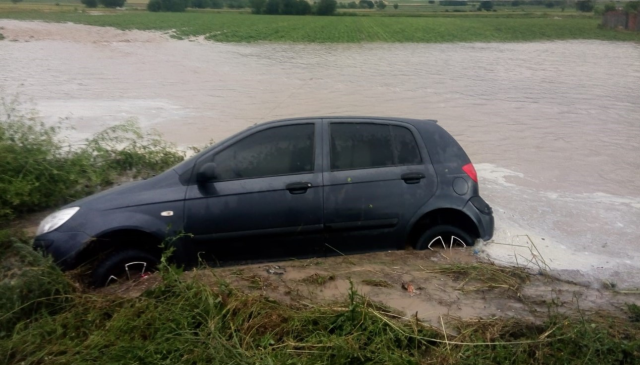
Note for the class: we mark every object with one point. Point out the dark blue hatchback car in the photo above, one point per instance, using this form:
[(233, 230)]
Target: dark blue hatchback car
[(295, 187)]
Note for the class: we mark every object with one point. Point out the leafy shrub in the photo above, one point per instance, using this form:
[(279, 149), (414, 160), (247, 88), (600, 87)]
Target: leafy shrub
[(395, 6), (40, 170), (516, 3), (326, 7), (90, 3), (609, 7), (366, 4), (272, 7), (549, 4), (584, 6), (352, 5), (486, 5), (29, 283), (381, 5), (432, 1), (236, 4), (153, 5), (257, 6), (632, 7), (16, 1), (200, 4), (453, 3), (112, 3)]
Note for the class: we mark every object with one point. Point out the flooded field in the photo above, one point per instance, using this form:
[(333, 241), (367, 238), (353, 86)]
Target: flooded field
[(553, 127)]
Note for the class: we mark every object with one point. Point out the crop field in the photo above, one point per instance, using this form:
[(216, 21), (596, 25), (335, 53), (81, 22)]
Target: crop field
[(244, 27)]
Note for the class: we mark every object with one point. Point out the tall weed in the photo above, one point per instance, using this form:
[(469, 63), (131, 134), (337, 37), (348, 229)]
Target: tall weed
[(40, 169)]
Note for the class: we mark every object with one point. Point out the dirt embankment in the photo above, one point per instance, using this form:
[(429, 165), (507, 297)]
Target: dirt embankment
[(429, 284)]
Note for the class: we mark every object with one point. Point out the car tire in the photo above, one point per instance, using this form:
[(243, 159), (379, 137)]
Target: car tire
[(438, 235), (124, 265)]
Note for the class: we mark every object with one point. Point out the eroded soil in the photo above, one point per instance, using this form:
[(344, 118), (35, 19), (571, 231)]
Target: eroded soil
[(385, 276)]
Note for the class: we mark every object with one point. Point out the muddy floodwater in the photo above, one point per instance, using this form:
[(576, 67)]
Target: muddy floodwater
[(552, 127)]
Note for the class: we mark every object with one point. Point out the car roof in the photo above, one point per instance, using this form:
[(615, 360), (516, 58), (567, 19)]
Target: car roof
[(352, 117)]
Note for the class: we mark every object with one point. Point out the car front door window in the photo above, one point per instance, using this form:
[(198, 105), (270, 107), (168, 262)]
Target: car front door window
[(276, 151)]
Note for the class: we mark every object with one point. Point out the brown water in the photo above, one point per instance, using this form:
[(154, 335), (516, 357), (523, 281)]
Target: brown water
[(553, 127)]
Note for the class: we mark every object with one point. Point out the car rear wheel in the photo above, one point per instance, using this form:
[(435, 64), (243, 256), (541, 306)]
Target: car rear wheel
[(444, 236), (122, 266)]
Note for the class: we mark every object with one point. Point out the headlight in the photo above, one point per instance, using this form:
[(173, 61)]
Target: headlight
[(55, 220)]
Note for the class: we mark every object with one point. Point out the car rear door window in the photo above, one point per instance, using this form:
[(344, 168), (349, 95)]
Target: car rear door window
[(367, 145), (276, 151), (405, 146), (360, 146)]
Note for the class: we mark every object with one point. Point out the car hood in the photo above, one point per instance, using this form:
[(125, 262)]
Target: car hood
[(158, 189)]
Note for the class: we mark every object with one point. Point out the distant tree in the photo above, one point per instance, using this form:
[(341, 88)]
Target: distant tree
[(90, 3), (352, 5), (367, 4), (395, 6), (112, 3), (550, 4), (486, 6), (272, 7), (167, 5), (326, 7), (16, 1), (236, 4), (516, 3), (200, 4), (585, 6), (609, 7), (152, 5), (381, 5), (632, 7), (432, 1), (257, 6), (289, 7), (214, 4), (304, 8)]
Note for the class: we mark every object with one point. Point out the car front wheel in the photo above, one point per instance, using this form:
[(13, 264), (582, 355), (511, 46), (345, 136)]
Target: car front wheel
[(124, 265), (444, 236)]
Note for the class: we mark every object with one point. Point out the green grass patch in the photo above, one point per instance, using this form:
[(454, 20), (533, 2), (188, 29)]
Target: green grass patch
[(184, 321), (242, 27)]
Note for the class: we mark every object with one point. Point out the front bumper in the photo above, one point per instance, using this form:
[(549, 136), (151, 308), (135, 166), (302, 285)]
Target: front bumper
[(62, 246), (482, 215)]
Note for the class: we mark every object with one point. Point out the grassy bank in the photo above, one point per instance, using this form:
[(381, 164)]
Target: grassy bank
[(46, 319), (243, 27)]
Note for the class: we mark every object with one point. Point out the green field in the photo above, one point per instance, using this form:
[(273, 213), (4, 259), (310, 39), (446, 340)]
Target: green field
[(244, 27)]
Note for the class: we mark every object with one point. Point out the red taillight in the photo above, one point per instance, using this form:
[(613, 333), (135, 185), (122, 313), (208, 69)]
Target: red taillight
[(471, 171)]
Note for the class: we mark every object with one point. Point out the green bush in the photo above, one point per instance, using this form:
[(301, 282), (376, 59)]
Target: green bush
[(395, 6), (30, 284), (326, 7), (381, 5), (486, 5), (90, 3), (236, 4), (632, 7), (352, 5), (366, 4), (215, 4), (609, 7), (112, 3), (585, 6), (201, 4), (40, 170), (168, 5)]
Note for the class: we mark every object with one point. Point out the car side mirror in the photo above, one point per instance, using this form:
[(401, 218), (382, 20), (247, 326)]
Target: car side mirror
[(207, 173)]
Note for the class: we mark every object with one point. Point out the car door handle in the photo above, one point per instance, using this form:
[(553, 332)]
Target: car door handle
[(298, 187), (412, 177)]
